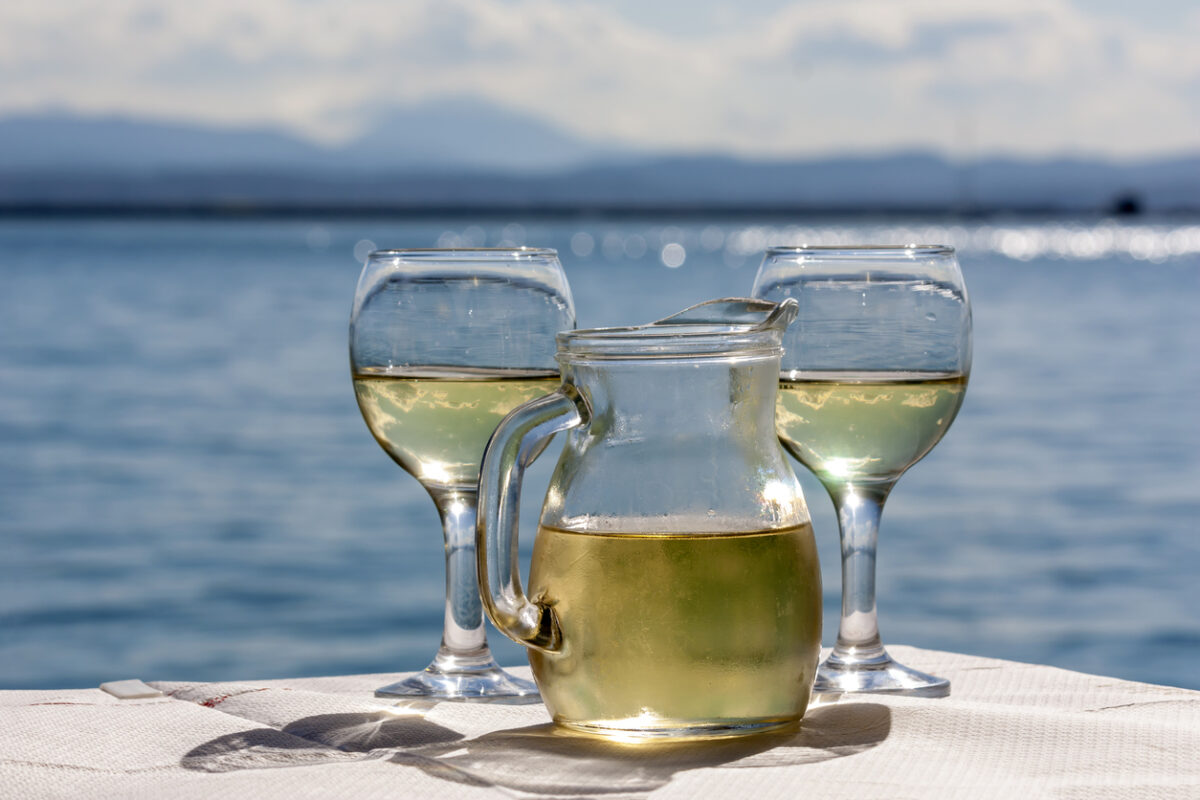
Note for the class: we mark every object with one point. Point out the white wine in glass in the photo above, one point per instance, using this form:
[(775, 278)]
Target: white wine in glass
[(435, 421), (443, 344), (874, 372), (865, 425)]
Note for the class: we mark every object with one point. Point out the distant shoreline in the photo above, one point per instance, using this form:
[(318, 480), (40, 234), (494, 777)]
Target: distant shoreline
[(233, 209)]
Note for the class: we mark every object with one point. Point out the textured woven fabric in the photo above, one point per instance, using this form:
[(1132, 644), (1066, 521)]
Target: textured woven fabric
[(1008, 731)]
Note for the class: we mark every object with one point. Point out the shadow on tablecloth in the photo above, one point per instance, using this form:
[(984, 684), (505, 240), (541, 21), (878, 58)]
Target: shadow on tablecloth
[(541, 759), (317, 739), (545, 760)]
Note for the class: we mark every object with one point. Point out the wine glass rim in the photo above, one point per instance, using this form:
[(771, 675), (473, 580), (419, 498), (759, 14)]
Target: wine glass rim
[(875, 250), (460, 253)]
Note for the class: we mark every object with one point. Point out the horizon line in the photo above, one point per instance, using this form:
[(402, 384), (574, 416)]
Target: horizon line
[(231, 209)]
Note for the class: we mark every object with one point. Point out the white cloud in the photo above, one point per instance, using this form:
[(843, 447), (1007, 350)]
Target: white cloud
[(1031, 76)]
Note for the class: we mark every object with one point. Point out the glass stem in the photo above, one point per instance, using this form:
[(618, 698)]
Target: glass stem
[(859, 508), (464, 639)]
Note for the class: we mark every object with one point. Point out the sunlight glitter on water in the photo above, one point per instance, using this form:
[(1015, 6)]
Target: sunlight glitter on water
[(741, 245), (1076, 242)]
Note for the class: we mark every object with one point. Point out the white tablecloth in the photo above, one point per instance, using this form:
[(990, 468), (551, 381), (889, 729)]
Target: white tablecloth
[(1009, 730)]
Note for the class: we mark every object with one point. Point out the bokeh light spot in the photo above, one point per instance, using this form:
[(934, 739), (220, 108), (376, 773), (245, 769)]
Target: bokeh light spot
[(582, 244), (673, 255)]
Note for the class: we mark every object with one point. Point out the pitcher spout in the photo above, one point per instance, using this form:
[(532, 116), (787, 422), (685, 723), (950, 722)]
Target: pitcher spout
[(742, 313)]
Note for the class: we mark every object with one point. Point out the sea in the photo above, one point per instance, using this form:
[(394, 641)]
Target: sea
[(188, 491)]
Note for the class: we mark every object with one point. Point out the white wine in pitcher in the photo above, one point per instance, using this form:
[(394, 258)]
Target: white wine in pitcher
[(662, 629)]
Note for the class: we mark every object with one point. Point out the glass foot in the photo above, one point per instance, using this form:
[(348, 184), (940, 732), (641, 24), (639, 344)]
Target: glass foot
[(468, 683), (876, 673)]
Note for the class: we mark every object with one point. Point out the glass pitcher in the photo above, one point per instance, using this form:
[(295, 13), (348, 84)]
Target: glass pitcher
[(674, 589)]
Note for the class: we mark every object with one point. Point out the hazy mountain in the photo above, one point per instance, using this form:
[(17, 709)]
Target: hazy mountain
[(460, 132), (1163, 183), (900, 180), (61, 142), (468, 154), (451, 133)]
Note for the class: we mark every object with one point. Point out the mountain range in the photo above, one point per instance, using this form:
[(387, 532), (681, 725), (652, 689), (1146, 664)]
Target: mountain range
[(453, 133), (467, 154)]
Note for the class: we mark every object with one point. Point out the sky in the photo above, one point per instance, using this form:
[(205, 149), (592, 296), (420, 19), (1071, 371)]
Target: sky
[(754, 78)]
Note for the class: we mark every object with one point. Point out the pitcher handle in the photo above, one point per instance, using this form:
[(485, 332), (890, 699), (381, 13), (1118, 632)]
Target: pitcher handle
[(514, 445)]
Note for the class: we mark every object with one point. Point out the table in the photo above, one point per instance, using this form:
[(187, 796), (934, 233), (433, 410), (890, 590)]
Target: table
[(1010, 730)]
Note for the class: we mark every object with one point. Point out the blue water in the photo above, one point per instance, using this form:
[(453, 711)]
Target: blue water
[(187, 490)]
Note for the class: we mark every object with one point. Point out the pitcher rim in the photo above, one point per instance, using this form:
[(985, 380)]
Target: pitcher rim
[(466, 253), (690, 340)]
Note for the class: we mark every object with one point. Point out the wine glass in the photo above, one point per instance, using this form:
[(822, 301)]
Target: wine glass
[(443, 344), (874, 371)]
